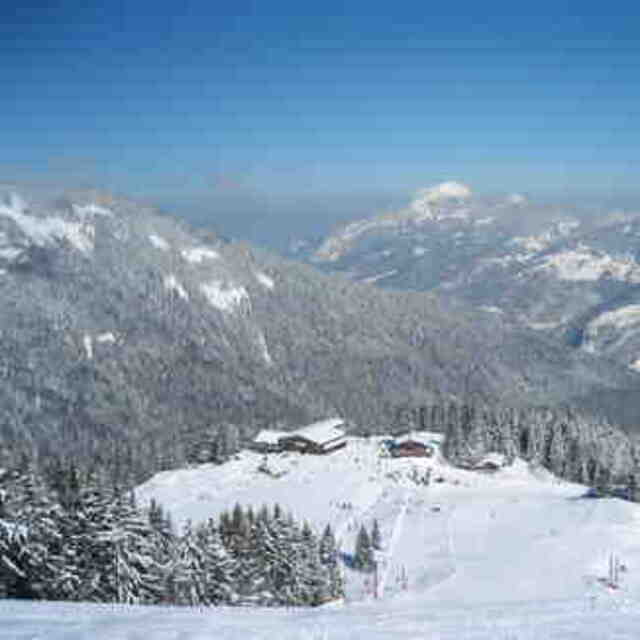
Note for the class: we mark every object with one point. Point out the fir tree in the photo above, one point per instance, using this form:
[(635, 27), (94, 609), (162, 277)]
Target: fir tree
[(363, 556), (376, 539)]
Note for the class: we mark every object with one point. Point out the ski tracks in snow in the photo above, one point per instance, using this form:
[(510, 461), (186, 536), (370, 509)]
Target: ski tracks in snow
[(395, 535)]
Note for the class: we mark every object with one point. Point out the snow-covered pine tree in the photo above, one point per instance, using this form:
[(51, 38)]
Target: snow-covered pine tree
[(250, 578), (363, 556), (329, 558), (189, 570), (127, 546), (219, 568), (376, 538)]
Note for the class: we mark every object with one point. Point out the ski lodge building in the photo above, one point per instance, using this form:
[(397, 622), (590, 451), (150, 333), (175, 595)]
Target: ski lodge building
[(320, 437), (268, 441), (411, 449)]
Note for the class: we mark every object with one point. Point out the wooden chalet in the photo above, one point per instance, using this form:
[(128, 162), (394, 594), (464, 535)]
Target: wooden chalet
[(411, 449), (320, 437)]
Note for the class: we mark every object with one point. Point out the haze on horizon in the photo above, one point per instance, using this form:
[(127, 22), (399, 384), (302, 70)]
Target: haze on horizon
[(298, 117)]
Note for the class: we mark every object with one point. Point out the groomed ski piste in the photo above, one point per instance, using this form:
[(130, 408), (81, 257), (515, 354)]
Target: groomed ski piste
[(512, 555)]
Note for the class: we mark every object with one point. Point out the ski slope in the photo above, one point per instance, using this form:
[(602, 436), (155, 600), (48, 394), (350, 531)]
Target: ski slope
[(513, 555)]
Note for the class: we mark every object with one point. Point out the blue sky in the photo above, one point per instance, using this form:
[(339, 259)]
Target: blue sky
[(250, 107)]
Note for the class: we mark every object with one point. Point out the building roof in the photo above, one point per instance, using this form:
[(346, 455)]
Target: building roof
[(492, 459), (270, 436), (413, 443), (321, 432)]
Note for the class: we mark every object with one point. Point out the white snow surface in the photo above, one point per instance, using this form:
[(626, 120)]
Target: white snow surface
[(265, 280), (621, 318), (323, 430), (516, 198), (224, 297), (44, 231), (513, 555), (87, 342), (159, 242), (584, 263), (108, 337), (518, 540), (172, 283), (197, 255), (270, 436), (380, 276), (439, 192), (91, 209), (10, 253), (422, 207)]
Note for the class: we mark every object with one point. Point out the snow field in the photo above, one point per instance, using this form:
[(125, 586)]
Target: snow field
[(513, 555)]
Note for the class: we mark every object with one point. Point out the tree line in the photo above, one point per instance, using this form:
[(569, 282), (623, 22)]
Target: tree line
[(571, 445), (75, 538)]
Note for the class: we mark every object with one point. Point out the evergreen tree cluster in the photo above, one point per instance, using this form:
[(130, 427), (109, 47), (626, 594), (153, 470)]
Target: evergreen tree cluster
[(570, 445), (366, 544), (83, 541)]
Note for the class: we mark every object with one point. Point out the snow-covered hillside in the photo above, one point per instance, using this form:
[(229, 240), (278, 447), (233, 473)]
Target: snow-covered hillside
[(517, 535), (516, 554)]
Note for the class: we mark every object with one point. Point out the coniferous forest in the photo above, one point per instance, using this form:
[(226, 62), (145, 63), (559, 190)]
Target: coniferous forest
[(70, 538)]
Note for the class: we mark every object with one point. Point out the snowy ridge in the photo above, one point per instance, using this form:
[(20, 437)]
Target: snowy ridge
[(45, 231), (91, 209), (423, 207), (584, 263)]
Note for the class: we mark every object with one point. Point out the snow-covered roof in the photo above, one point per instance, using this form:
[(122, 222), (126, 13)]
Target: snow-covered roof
[(270, 436), (322, 431), (497, 459)]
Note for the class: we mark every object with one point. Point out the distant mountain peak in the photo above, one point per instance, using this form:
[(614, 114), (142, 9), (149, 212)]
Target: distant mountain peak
[(443, 191)]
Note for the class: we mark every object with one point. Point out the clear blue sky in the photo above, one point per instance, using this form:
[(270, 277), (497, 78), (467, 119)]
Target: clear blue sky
[(277, 105)]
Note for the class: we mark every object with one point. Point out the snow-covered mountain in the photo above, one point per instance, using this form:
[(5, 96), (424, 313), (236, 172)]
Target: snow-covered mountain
[(547, 268), (513, 554), (119, 322)]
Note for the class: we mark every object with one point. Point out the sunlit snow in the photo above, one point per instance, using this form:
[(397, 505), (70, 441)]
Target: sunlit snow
[(511, 555), (199, 254), (43, 231), (223, 297), (171, 283), (264, 350), (159, 242), (88, 346), (106, 338), (91, 209), (584, 263), (265, 280)]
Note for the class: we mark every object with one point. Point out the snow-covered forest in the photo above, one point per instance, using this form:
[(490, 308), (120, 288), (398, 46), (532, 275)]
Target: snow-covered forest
[(74, 539)]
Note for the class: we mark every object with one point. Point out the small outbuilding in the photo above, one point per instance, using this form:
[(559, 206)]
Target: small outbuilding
[(411, 449), (320, 437), (490, 463), (268, 441)]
